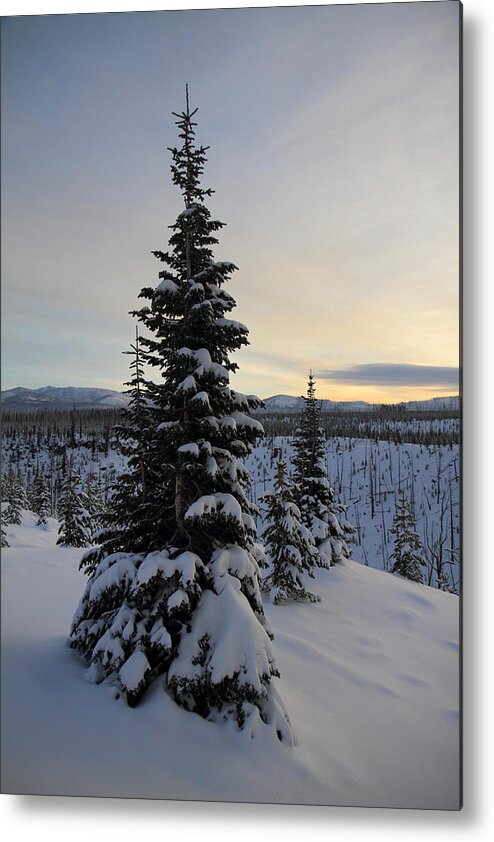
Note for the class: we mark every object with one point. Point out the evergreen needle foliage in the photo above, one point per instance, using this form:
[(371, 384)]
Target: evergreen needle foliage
[(408, 553), (74, 530), (174, 583), (16, 497), (290, 544), (314, 496), (41, 500)]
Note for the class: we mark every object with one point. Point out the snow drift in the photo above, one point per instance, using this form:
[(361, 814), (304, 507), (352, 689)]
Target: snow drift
[(370, 678)]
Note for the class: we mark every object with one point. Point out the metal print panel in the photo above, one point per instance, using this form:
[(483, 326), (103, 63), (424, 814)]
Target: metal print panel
[(209, 595)]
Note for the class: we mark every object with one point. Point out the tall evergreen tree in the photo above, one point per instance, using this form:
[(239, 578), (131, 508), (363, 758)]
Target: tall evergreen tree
[(407, 552), (174, 588), (290, 544), (314, 496), (74, 530)]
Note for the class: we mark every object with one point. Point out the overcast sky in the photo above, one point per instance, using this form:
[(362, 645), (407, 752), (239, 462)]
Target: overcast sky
[(334, 156)]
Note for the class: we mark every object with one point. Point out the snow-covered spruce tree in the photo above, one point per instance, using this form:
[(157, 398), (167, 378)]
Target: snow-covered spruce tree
[(174, 586), (289, 543), (41, 500), (4, 487), (16, 501), (11, 514), (443, 583), (74, 530), (407, 552), (314, 495), (93, 504), (134, 511), (33, 497)]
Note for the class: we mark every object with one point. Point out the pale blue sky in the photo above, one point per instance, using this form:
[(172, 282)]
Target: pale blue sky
[(334, 156)]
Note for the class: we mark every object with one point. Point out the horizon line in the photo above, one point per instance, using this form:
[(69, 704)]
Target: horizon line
[(454, 394)]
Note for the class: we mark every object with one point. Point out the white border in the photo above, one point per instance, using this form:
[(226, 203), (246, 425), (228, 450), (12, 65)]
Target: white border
[(30, 7)]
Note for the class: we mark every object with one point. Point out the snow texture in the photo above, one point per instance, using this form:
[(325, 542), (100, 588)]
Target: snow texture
[(370, 678)]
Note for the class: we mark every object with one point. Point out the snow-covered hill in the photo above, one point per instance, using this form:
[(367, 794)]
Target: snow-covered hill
[(54, 397), (288, 403), (370, 677)]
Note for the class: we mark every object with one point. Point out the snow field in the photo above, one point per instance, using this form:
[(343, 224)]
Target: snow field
[(370, 679)]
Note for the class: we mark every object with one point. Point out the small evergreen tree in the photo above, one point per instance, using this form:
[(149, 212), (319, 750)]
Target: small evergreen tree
[(132, 514), (174, 584), (74, 530), (33, 494), (19, 491), (12, 513), (407, 552), (94, 505), (314, 496), (444, 584), (44, 505), (41, 500), (4, 486), (289, 543), (3, 538), (16, 500)]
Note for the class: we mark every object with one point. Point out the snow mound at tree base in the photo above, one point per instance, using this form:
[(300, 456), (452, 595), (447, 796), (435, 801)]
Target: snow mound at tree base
[(370, 680)]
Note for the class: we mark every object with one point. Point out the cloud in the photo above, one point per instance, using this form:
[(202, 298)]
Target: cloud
[(394, 374), (346, 235)]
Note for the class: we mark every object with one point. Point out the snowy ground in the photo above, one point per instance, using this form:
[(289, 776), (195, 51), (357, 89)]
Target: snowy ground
[(370, 677)]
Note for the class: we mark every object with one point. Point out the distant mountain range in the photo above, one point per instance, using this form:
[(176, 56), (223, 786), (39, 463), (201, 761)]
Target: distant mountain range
[(77, 397), (66, 397), (287, 403)]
